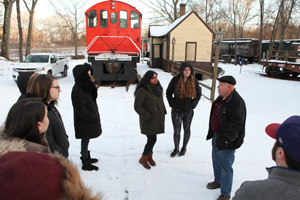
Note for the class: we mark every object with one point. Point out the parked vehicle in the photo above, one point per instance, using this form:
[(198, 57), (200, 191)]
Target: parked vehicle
[(43, 63), (248, 49), (280, 68), (113, 40)]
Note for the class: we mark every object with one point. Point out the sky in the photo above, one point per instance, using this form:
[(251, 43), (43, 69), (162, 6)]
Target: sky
[(120, 176), (43, 7)]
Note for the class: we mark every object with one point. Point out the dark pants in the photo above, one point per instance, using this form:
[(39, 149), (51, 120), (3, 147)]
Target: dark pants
[(84, 148), (150, 144), (179, 117)]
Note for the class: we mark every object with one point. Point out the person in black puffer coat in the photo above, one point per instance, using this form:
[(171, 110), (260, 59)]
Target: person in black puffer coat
[(183, 94), (86, 115)]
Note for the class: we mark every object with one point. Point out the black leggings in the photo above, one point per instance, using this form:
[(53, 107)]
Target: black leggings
[(150, 144), (178, 118), (84, 148)]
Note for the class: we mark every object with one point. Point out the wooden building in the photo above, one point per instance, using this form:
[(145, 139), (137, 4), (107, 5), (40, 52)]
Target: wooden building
[(186, 39)]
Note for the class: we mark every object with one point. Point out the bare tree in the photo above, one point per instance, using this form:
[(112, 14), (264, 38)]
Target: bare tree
[(285, 15), (210, 11), (20, 29), (30, 25), (231, 16), (165, 10), (70, 11), (6, 27), (261, 5)]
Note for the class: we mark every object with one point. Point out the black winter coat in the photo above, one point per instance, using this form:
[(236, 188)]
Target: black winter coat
[(86, 115), (232, 123), (151, 111), (182, 104), (56, 133)]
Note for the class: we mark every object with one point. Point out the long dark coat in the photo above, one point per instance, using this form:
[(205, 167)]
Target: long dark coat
[(151, 110), (56, 133), (86, 115)]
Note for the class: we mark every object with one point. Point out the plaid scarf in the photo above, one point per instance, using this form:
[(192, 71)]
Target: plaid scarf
[(186, 90)]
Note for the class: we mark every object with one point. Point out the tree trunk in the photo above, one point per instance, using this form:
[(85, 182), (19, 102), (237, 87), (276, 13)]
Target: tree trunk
[(30, 26), (284, 23), (6, 28), (275, 29), (261, 2), (20, 31)]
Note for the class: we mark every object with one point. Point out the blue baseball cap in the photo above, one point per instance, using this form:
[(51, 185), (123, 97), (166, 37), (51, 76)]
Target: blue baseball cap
[(287, 135)]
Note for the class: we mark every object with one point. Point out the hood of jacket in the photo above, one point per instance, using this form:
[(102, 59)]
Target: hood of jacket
[(184, 65)]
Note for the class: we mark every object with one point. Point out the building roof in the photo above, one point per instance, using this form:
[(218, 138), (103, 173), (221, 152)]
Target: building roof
[(159, 31)]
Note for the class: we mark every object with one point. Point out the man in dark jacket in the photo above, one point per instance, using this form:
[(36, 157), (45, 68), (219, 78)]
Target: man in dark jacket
[(283, 181), (227, 131), (183, 94)]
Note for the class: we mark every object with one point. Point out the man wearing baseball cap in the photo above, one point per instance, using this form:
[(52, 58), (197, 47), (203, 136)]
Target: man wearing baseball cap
[(284, 179), (227, 131)]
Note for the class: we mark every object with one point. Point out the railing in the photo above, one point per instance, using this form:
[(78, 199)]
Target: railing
[(174, 69)]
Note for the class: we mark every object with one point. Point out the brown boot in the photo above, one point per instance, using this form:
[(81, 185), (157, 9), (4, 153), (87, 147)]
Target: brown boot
[(143, 161), (150, 159)]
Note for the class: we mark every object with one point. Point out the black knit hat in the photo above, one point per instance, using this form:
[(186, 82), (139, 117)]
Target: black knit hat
[(227, 79)]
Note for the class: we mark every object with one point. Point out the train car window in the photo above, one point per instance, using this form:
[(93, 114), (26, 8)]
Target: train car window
[(113, 18), (103, 18), (123, 19), (92, 18), (134, 20)]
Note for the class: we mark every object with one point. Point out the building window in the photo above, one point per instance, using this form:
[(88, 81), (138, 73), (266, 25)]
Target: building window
[(113, 18), (103, 18), (123, 19), (92, 19), (134, 20)]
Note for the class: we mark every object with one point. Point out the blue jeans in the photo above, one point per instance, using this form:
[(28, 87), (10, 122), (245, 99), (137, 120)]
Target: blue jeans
[(223, 171)]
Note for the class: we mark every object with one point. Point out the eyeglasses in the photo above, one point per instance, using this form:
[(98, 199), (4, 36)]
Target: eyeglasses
[(56, 87)]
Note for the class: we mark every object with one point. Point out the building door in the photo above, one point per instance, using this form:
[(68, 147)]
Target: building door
[(157, 60), (190, 51)]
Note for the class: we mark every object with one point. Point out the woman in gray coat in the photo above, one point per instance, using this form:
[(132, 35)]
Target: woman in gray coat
[(149, 105)]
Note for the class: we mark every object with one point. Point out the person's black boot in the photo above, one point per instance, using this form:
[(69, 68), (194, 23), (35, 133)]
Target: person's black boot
[(87, 166), (93, 160), (174, 153), (182, 152)]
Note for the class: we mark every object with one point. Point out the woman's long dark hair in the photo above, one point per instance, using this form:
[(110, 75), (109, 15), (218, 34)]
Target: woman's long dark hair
[(145, 80), (23, 117), (41, 87), (83, 80)]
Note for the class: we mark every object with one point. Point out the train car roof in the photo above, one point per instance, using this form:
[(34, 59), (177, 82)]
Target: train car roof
[(95, 5)]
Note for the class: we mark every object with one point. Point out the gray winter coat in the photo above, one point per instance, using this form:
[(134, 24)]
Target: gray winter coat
[(282, 184)]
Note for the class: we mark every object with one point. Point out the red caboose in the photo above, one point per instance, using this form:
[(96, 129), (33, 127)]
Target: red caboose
[(113, 38)]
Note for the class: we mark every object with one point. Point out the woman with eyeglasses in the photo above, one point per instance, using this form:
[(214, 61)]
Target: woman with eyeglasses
[(47, 88), (86, 114), (149, 105)]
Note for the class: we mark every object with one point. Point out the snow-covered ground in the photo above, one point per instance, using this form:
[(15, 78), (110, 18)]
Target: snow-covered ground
[(120, 146)]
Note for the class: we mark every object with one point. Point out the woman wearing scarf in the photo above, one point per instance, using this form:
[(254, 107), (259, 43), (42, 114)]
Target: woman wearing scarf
[(183, 95), (149, 105)]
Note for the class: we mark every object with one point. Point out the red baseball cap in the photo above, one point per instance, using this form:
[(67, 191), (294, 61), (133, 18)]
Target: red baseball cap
[(287, 135)]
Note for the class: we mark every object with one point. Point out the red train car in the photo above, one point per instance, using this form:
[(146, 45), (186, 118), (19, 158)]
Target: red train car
[(113, 39)]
